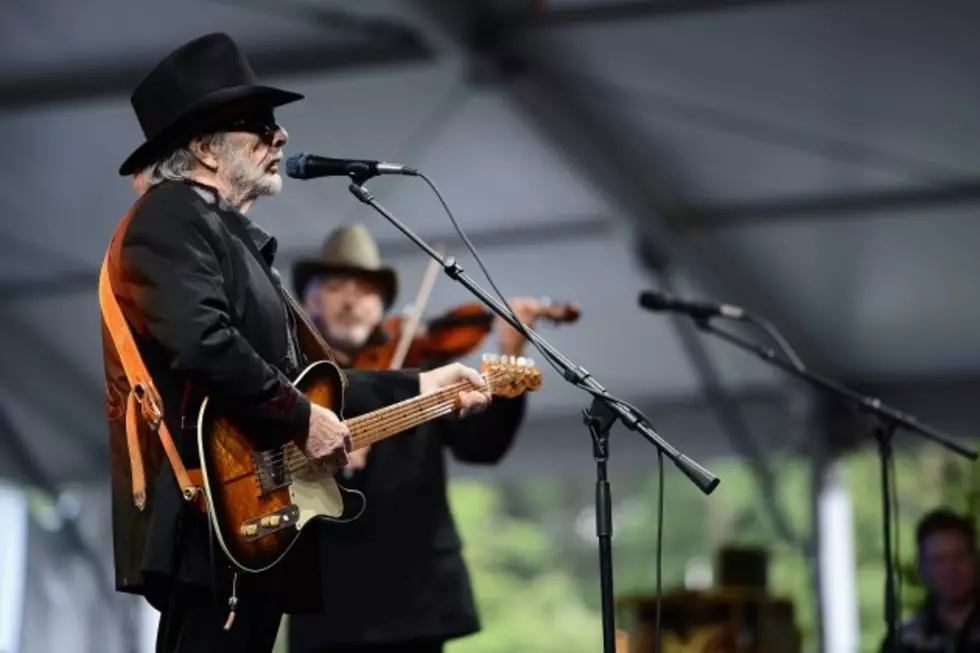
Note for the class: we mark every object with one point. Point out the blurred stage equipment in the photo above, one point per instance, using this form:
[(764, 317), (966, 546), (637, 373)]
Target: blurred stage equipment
[(738, 617), (657, 302), (599, 417), (720, 621), (622, 641), (743, 568), (887, 419)]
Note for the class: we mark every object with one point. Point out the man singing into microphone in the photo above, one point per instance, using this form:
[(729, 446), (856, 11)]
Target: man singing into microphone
[(193, 278)]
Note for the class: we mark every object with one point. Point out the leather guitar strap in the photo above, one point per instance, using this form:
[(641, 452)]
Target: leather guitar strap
[(142, 392)]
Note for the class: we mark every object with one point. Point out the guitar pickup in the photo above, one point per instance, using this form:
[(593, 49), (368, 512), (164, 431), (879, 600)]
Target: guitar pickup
[(275, 521)]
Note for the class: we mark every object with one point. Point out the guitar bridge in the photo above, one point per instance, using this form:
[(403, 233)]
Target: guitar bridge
[(273, 522)]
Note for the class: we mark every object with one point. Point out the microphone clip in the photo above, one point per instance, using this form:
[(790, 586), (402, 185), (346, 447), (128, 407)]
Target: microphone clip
[(360, 172)]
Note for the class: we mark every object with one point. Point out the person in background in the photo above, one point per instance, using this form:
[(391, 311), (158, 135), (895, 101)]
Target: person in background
[(949, 621), (397, 579)]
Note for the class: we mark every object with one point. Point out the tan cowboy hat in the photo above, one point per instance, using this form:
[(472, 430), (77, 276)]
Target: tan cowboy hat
[(348, 250)]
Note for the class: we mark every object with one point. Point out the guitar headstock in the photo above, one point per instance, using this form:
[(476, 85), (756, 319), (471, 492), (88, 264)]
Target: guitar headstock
[(511, 376)]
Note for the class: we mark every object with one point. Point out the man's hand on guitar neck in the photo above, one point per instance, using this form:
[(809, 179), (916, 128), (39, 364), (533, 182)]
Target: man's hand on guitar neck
[(471, 401), (329, 440)]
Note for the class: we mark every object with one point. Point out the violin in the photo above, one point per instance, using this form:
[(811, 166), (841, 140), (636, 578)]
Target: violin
[(451, 336), (407, 341)]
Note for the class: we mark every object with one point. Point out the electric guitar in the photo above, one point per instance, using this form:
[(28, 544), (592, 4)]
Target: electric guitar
[(260, 500)]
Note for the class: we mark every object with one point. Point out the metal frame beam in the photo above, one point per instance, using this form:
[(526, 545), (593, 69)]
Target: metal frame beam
[(572, 228), (615, 12), (892, 203), (536, 86), (532, 78), (95, 80), (658, 217)]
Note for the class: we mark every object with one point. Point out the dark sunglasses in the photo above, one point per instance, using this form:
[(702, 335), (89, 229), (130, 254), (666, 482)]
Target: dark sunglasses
[(262, 125)]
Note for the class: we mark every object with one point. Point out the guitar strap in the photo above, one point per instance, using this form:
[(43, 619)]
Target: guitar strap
[(143, 392)]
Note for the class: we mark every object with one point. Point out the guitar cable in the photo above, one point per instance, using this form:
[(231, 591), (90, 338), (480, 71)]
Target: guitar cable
[(605, 396), (233, 598)]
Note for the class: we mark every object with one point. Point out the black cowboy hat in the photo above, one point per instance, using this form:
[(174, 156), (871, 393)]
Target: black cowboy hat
[(191, 91), (348, 250)]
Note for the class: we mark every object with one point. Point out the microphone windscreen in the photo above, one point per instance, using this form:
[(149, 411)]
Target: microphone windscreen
[(296, 166)]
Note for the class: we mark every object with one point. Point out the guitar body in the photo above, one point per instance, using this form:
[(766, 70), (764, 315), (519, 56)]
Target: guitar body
[(260, 499), (257, 505)]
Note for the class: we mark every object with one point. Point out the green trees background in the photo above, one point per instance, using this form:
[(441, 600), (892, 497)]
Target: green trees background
[(533, 556), (532, 551)]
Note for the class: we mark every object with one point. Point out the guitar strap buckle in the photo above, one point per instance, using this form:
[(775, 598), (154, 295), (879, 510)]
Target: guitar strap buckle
[(149, 406)]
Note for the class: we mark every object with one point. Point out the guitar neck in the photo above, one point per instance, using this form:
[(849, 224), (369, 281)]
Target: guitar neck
[(391, 420)]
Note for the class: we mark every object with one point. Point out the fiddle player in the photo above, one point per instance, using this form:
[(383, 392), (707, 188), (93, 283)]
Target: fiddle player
[(398, 576), (194, 280)]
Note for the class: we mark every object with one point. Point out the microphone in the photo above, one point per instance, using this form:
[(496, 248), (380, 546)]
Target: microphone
[(658, 301), (311, 166)]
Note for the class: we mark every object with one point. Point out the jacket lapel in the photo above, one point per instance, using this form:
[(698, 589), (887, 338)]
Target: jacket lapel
[(311, 344)]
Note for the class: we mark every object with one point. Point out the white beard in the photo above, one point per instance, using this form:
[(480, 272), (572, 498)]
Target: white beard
[(246, 179), (351, 339)]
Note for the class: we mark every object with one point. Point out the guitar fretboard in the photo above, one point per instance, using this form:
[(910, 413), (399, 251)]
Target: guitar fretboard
[(391, 420)]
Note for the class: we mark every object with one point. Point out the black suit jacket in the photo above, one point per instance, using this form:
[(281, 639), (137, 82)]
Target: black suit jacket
[(397, 573), (196, 285)]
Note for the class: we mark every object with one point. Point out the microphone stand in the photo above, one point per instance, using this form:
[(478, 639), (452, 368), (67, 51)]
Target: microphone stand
[(887, 420), (599, 417)]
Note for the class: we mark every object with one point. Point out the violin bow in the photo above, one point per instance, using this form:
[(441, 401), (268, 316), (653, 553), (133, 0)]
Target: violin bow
[(418, 307)]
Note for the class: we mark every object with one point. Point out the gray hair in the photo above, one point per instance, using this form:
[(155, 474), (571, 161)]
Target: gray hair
[(176, 166)]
